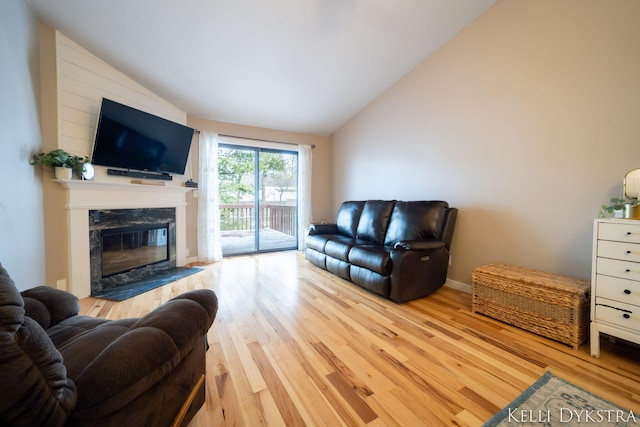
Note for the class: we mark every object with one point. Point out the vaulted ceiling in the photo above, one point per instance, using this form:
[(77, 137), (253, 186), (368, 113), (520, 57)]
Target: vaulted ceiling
[(300, 65)]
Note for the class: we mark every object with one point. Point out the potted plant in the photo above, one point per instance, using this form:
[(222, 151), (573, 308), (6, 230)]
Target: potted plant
[(63, 162), (622, 207)]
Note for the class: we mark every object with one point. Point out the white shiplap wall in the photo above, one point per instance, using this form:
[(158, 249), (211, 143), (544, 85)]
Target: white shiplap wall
[(83, 80)]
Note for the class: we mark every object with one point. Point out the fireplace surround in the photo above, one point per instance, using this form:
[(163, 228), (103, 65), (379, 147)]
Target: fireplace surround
[(84, 196), (128, 245)]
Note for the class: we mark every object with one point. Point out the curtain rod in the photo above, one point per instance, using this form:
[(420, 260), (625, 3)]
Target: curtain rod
[(255, 139)]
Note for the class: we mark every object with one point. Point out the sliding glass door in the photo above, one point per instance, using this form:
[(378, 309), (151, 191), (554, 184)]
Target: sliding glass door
[(258, 199)]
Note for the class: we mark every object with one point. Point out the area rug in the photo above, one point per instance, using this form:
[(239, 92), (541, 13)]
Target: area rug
[(551, 401), (129, 290)]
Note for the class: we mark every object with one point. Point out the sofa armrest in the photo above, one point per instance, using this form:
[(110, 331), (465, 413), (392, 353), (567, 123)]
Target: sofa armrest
[(419, 271), (143, 356), (49, 306), (323, 229), (419, 245)]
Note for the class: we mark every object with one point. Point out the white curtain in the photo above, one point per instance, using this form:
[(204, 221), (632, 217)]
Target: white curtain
[(304, 193), (209, 244)]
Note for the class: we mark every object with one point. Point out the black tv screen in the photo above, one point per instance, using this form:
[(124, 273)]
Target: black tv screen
[(129, 138)]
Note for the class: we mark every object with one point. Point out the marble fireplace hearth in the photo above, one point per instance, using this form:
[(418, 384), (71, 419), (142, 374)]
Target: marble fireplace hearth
[(85, 196)]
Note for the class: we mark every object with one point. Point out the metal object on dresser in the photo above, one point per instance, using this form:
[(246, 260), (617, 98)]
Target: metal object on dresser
[(615, 306)]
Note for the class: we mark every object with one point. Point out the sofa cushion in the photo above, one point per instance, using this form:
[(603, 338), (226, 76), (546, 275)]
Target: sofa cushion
[(372, 257), (374, 220), (316, 258), (348, 218), (318, 241), (338, 267), (339, 247), (416, 221), (370, 280)]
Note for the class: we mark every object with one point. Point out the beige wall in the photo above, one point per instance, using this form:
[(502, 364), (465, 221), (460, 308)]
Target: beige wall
[(21, 216), (526, 121), (322, 171)]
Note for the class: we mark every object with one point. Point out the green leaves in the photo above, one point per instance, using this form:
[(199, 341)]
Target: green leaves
[(59, 158), (617, 204)]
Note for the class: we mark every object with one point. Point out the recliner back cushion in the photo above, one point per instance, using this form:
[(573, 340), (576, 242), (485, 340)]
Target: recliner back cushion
[(416, 220), (34, 388), (374, 220), (348, 217)]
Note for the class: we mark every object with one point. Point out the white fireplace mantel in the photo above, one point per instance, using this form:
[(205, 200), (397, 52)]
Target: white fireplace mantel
[(83, 196)]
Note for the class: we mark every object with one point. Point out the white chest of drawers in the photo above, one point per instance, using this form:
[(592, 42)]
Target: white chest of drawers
[(615, 281)]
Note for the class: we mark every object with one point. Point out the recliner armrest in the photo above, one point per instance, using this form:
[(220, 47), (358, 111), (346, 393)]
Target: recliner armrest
[(419, 245), (323, 229), (183, 317), (141, 357), (49, 306)]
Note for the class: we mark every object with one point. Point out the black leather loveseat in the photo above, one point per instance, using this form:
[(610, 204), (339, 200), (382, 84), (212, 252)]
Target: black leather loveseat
[(396, 249)]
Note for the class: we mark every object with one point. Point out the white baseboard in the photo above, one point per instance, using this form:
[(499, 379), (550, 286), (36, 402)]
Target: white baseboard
[(458, 285), (190, 260)]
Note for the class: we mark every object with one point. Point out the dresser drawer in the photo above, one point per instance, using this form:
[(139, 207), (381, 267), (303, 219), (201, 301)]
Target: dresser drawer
[(619, 250), (619, 232), (617, 313), (613, 288), (613, 267)]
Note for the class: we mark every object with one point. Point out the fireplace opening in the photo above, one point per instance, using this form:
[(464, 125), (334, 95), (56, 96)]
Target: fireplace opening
[(128, 246), (125, 249)]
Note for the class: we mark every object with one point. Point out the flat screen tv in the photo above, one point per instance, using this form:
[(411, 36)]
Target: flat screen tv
[(131, 139)]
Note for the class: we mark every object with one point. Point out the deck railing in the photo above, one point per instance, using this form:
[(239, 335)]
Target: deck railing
[(241, 217)]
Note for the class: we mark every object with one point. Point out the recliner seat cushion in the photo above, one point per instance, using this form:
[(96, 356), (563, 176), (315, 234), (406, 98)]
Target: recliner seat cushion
[(370, 280), (374, 220), (372, 257), (318, 241), (69, 329), (316, 258), (417, 220), (338, 267), (81, 349), (339, 247)]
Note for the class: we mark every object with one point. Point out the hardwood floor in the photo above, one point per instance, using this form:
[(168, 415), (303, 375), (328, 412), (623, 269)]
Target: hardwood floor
[(294, 345)]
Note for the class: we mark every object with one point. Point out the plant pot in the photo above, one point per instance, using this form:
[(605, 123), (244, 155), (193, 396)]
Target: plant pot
[(632, 212), (63, 173)]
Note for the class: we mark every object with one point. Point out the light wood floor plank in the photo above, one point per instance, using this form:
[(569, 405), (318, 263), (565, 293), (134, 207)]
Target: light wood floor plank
[(294, 345)]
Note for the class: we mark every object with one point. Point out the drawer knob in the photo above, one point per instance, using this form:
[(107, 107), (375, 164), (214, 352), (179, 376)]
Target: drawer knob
[(627, 270), (627, 292), (628, 233), (626, 316), (628, 252)]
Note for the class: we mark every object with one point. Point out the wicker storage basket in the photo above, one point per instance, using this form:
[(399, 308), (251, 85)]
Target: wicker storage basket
[(550, 305)]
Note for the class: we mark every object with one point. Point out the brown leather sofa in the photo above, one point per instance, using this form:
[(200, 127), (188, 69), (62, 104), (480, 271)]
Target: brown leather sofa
[(59, 368), (396, 249)]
